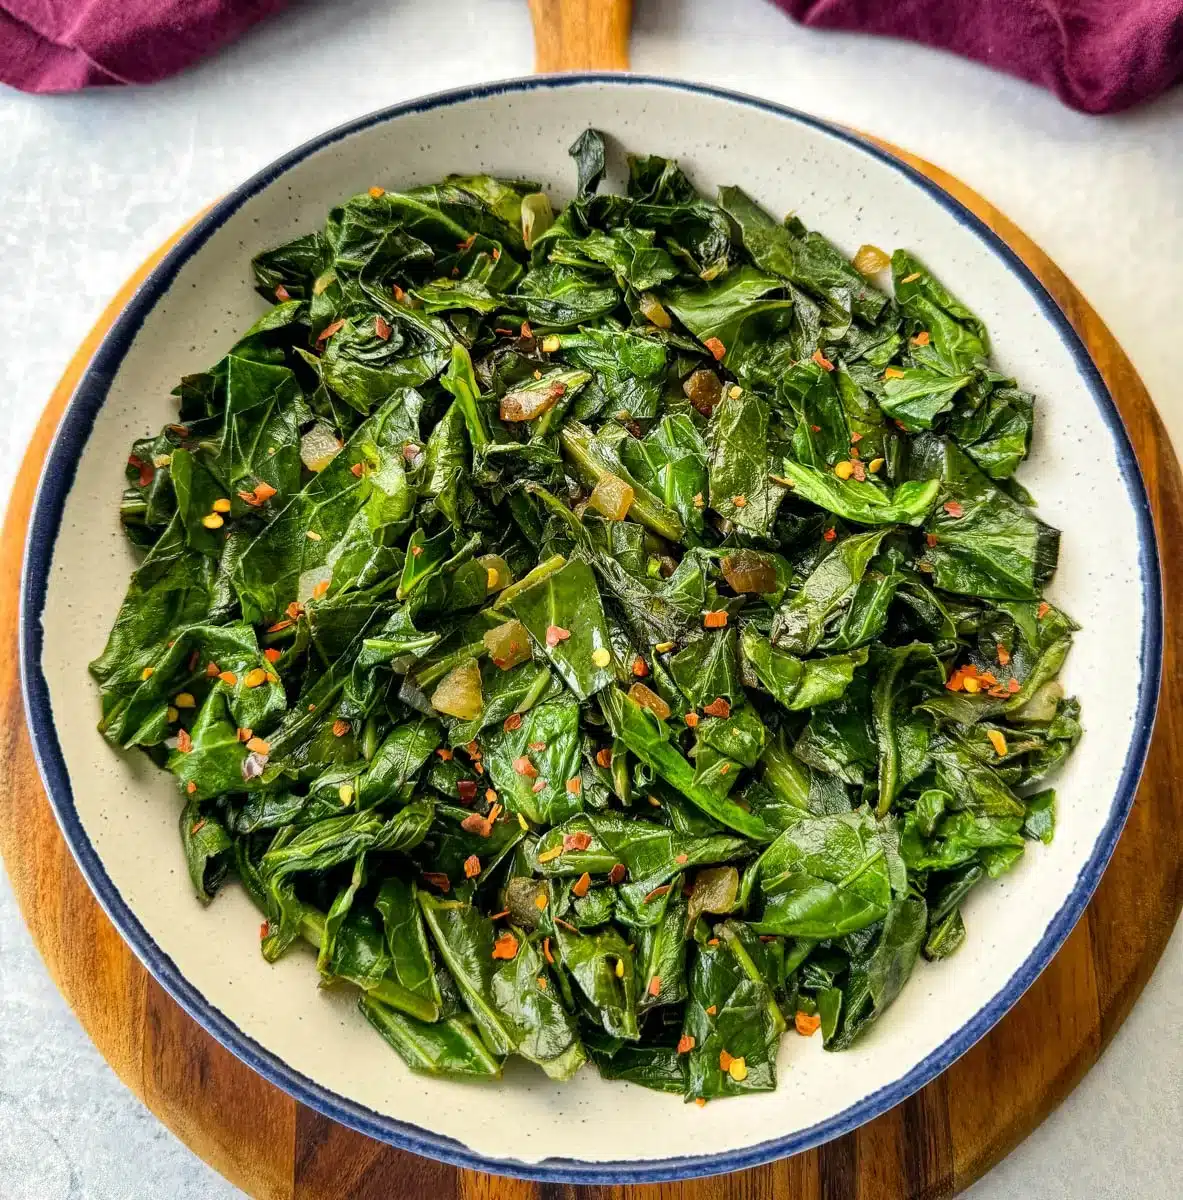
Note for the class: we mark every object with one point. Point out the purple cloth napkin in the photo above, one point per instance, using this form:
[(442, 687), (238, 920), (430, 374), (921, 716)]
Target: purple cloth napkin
[(1096, 55), (63, 45)]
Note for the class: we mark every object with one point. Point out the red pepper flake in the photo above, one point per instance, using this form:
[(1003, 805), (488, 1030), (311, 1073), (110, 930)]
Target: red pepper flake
[(1003, 655), (497, 916), (438, 879), (445, 754), (640, 668), (194, 659), (382, 328), (1013, 685), (526, 331), (505, 947), (264, 929), (930, 539), (1043, 609), (556, 634), (256, 745), (320, 589), (537, 746), (147, 470), (340, 727), (893, 373), (715, 620), (604, 757), (700, 1101), (725, 1060), (550, 958), (539, 785), (466, 790), (718, 708), (714, 1008), (575, 785), (282, 294), (272, 655), (356, 471), (490, 796), (376, 193), (724, 768), (691, 719), (829, 535), (328, 331), (956, 681), (681, 859), (472, 867), (922, 338), (245, 734), (712, 941), (184, 741), (617, 874), (655, 986), (807, 1023), (284, 624), (739, 501), (716, 347), (581, 885), (295, 610), (523, 766), (657, 893), (197, 826), (397, 293), (686, 1043), (475, 823), (822, 361), (468, 242), (228, 678), (855, 438), (953, 508), (190, 787), (576, 841), (988, 679), (858, 469)]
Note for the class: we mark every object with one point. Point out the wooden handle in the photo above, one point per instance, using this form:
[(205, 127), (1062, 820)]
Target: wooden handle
[(581, 35)]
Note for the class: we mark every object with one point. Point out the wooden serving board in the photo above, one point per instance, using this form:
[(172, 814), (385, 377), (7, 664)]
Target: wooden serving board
[(932, 1145)]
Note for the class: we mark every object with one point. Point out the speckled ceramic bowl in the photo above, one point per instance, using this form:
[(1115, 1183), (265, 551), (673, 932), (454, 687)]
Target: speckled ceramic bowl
[(119, 814)]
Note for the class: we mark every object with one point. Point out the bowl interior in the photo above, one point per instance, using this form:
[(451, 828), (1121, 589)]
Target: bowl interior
[(121, 813)]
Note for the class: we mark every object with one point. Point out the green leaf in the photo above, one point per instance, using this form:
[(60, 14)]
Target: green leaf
[(800, 683), (741, 464), (862, 501)]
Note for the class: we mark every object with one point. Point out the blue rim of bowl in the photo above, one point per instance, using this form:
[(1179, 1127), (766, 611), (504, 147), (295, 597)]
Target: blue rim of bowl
[(56, 482)]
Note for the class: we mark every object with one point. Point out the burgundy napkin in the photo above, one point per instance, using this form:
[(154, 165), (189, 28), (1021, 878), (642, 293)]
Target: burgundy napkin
[(63, 45), (1096, 55)]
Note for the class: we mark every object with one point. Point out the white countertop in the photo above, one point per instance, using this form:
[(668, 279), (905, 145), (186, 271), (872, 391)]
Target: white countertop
[(90, 184)]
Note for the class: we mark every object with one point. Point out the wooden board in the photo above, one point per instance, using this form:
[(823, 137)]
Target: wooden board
[(930, 1146)]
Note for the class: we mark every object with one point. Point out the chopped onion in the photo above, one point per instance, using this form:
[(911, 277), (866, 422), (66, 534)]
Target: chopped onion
[(870, 260), (508, 645), (647, 698), (703, 390), (497, 572), (651, 307), (459, 692), (528, 403), (537, 217), (318, 447), (612, 497), (1044, 704), (750, 571)]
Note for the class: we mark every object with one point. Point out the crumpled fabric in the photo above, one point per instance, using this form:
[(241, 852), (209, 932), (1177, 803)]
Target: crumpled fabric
[(1098, 56), (64, 45)]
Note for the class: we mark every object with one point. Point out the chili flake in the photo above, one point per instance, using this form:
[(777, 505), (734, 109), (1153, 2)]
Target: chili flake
[(472, 867), (184, 741), (1043, 609), (438, 879), (604, 757), (228, 678), (523, 766), (282, 294), (807, 1023), (581, 885), (953, 508), (550, 855), (575, 785), (556, 634), (822, 361), (829, 535), (1003, 655), (691, 719), (190, 787), (640, 668), (655, 986), (714, 1008), (922, 338), (505, 947), (340, 727), (512, 722), (272, 655), (686, 1043), (716, 347), (475, 823), (718, 707), (577, 841), (893, 373), (716, 619), (257, 746), (550, 958), (617, 874), (656, 894)]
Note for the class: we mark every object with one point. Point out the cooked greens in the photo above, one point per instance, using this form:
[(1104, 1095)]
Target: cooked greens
[(613, 633)]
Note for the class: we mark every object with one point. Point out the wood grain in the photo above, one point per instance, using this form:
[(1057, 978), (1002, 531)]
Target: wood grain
[(931, 1146), (581, 35)]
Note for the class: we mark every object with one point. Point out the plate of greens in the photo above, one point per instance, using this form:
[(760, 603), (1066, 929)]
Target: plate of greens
[(577, 653)]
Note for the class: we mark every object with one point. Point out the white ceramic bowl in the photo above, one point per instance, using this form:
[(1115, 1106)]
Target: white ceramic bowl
[(119, 813)]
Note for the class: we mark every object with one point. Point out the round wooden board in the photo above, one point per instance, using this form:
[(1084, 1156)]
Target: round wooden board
[(932, 1145)]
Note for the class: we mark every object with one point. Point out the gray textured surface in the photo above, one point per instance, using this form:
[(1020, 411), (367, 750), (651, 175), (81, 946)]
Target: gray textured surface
[(90, 184)]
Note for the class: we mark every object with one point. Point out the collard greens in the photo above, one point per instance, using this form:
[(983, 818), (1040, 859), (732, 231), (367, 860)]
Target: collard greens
[(609, 634)]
